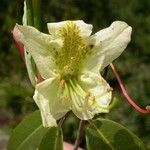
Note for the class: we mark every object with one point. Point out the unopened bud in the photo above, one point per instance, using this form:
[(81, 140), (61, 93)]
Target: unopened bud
[(19, 44)]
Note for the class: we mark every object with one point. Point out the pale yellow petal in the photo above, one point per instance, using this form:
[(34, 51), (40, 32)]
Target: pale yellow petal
[(29, 65), (43, 104), (90, 95), (54, 28), (98, 87), (52, 90), (41, 47), (107, 45)]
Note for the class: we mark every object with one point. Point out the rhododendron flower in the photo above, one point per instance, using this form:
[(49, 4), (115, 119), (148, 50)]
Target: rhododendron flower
[(69, 60)]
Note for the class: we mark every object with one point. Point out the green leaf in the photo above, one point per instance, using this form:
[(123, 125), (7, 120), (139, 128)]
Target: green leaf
[(29, 10), (53, 140), (108, 135), (28, 134), (37, 14)]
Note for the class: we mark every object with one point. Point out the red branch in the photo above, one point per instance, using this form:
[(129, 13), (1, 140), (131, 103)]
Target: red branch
[(128, 98)]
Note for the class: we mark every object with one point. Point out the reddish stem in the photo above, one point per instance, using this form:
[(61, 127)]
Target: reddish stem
[(128, 98)]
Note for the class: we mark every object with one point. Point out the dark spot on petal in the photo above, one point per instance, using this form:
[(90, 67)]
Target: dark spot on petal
[(91, 46)]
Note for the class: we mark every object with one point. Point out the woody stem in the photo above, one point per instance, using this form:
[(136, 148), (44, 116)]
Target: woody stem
[(79, 134), (62, 120)]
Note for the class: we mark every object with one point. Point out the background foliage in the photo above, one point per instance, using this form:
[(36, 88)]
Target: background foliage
[(15, 88)]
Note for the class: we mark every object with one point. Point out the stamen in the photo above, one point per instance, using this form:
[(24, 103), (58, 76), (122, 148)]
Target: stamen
[(87, 96), (75, 98), (63, 92), (128, 98), (77, 88)]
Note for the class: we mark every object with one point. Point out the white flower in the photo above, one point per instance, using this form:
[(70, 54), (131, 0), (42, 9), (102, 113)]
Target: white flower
[(69, 60)]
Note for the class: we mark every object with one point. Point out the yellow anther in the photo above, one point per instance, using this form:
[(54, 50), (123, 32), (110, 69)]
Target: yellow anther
[(62, 83), (87, 96), (110, 89)]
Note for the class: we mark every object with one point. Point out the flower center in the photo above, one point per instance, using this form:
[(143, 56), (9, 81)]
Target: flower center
[(72, 90), (72, 52)]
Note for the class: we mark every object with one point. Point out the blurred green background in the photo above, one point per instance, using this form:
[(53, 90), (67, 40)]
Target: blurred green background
[(134, 64)]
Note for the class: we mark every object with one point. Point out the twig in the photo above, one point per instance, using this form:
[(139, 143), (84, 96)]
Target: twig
[(105, 72), (79, 134), (63, 119), (124, 92)]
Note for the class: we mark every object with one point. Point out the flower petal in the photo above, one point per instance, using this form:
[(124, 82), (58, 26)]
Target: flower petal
[(85, 29), (43, 104), (108, 44), (53, 92), (98, 87), (91, 95), (29, 65), (41, 47)]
